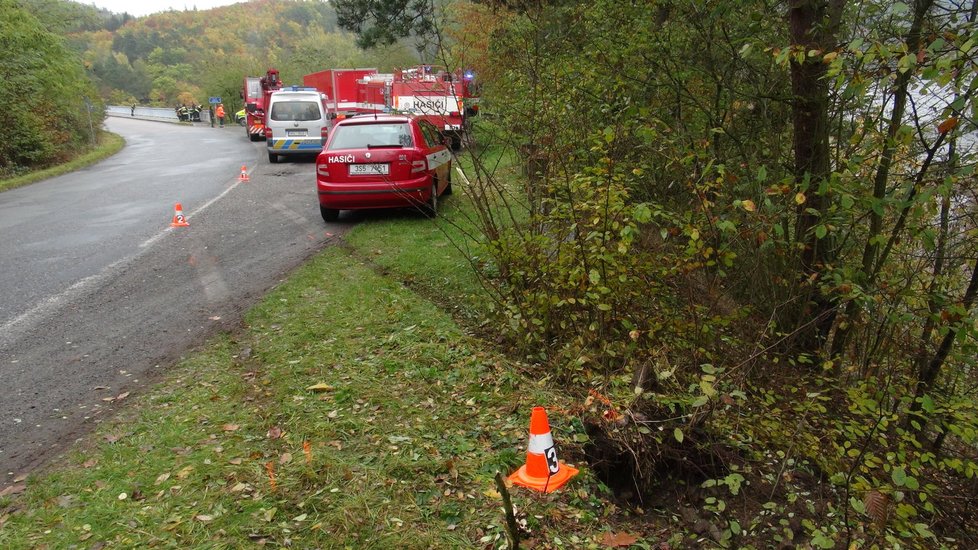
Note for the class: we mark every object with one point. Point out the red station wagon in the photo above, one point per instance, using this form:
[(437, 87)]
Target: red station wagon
[(382, 161)]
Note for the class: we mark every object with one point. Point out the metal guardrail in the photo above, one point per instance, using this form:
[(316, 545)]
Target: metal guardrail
[(162, 114)]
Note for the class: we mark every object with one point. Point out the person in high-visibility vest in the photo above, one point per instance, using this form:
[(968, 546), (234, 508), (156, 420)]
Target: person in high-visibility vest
[(220, 114)]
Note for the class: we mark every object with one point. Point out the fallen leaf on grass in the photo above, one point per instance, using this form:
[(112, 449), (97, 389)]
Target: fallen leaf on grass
[(203, 518), (270, 470), (162, 478), (89, 463), (182, 474), (320, 387), (274, 432), (112, 438), (231, 427), (122, 396), (15, 489), (235, 461), (285, 458), (618, 540)]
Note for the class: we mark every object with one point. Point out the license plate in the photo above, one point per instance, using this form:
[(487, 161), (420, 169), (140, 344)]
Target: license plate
[(369, 169), (295, 133)]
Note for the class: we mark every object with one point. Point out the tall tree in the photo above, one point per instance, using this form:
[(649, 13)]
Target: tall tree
[(813, 26)]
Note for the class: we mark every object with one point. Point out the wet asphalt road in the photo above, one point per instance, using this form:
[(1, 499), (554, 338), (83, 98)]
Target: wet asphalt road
[(98, 293)]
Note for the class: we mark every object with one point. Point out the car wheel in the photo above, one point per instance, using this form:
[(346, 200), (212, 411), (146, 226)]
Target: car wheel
[(430, 208), (329, 214), (272, 157), (253, 137)]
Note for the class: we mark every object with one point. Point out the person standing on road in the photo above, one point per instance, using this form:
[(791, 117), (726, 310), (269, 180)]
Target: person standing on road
[(220, 114), (132, 110)]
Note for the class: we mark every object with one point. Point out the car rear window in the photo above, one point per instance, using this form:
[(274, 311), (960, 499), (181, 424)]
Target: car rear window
[(363, 136), (295, 110)]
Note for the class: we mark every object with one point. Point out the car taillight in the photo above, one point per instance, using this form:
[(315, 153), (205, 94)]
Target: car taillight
[(324, 132), (419, 166), (322, 170), (268, 133)]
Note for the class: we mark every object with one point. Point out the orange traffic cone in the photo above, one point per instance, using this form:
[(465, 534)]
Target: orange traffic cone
[(542, 471), (178, 218), (244, 174)]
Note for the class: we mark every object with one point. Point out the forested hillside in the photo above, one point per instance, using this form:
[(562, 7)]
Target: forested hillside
[(52, 108), (183, 57), (63, 53)]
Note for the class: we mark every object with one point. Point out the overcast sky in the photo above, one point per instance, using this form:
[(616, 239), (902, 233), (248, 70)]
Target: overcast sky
[(146, 7)]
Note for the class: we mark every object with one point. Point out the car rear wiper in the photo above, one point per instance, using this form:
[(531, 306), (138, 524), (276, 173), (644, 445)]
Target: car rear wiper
[(387, 146)]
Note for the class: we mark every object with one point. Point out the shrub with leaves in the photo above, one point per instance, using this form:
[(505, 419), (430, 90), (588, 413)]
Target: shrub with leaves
[(46, 94)]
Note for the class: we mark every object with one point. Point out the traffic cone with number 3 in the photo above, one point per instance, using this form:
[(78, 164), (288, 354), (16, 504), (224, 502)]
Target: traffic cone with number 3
[(179, 220), (542, 471)]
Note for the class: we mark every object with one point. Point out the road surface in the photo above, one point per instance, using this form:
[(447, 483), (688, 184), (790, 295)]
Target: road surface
[(98, 294)]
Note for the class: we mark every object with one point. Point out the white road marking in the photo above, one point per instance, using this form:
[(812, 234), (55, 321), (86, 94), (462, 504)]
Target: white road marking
[(22, 323)]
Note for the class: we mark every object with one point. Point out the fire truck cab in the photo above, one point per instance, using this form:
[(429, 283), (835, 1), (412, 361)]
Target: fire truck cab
[(255, 92)]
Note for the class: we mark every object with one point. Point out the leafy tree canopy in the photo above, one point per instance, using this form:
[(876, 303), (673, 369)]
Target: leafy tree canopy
[(46, 91)]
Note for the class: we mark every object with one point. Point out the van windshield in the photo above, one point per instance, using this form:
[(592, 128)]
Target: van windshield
[(364, 136), (295, 110)]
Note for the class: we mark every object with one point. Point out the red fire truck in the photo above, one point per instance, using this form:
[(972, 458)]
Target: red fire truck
[(439, 96), (255, 94), (341, 87), (434, 94)]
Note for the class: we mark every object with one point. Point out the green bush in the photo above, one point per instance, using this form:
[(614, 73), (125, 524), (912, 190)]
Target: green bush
[(44, 91)]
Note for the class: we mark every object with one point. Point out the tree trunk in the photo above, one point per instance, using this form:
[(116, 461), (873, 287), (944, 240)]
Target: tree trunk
[(928, 375), (813, 26)]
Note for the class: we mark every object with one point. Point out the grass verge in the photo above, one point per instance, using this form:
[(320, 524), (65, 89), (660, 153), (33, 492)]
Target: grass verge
[(109, 144), (349, 412)]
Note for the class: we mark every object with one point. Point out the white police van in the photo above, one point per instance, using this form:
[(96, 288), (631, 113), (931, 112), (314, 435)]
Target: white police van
[(297, 122)]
